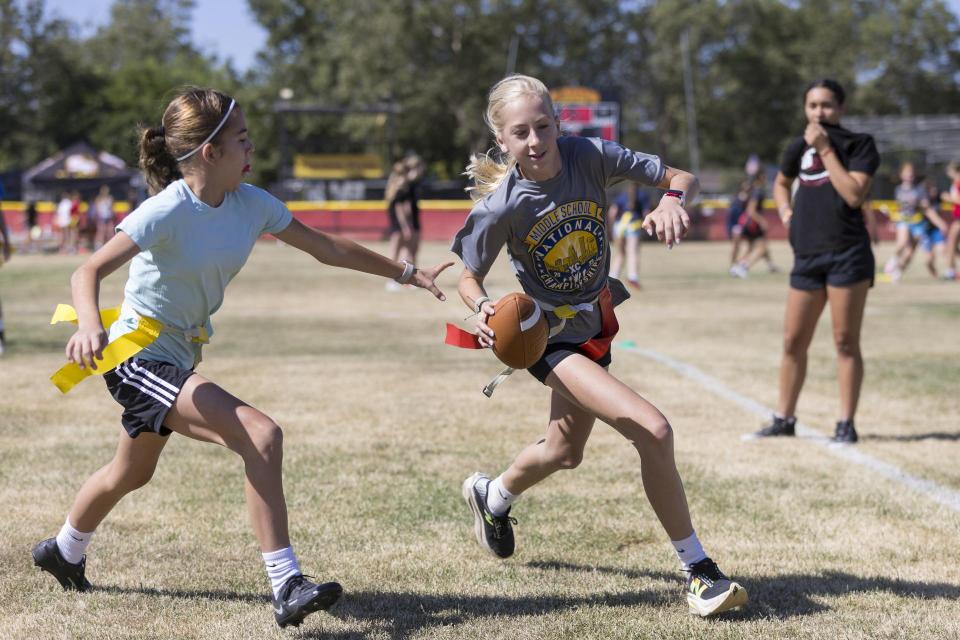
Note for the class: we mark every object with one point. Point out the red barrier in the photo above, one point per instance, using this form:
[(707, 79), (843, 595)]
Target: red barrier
[(439, 220)]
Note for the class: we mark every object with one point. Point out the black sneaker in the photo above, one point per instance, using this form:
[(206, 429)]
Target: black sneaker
[(845, 433), (300, 597), (494, 533), (710, 592), (777, 427), (46, 555)]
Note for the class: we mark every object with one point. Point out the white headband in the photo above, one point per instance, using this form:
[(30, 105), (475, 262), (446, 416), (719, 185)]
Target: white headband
[(215, 131)]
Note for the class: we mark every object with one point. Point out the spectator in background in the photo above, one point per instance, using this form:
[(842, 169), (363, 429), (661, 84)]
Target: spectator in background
[(932, 239), (4, 256), (62, 222), (415, 168), (103, 216), (626, 213), (908, 217), (77, 223), (750, 227), (953, 234), (397, 215), (30, 223)]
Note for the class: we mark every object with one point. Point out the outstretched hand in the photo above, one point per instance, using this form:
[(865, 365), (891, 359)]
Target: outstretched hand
[(669, 221), (424, 278)]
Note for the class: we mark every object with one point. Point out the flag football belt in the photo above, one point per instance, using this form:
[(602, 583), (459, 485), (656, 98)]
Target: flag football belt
[(594, 348), (123, 348)]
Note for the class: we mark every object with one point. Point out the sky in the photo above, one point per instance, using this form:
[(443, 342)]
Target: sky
[(223, 27)]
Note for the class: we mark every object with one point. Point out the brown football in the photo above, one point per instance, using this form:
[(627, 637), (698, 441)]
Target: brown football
[(520, 330)]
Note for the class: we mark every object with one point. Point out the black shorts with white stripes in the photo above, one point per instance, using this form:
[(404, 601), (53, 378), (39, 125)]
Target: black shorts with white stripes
[(146, 389)]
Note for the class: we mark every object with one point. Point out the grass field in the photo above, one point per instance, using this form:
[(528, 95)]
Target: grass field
[(382, 422)]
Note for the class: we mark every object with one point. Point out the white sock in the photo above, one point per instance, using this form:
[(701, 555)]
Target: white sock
[(498, 498), (72, 543), (689, 550), (281, 566)]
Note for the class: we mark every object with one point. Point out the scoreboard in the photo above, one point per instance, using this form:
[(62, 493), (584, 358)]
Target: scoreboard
[(582, 113), (599, 120)]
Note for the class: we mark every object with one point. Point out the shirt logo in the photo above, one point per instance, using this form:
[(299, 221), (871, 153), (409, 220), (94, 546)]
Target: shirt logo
[(812, 171), (568, 245)]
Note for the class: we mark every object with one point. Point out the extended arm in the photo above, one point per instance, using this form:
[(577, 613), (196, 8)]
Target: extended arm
[(340, 252)]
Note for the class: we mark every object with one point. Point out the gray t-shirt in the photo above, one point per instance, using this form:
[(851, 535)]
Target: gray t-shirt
[(555, 230)]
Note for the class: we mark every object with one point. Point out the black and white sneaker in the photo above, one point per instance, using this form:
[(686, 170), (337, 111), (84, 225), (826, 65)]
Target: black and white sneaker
[(46, 555), (299, 597), (845, 433), (494, 533), (710, 592), (778, 427)]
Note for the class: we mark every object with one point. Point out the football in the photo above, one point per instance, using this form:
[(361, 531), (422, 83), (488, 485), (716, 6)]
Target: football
[(520, 330)]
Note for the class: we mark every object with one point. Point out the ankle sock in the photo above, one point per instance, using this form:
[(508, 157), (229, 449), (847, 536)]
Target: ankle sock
[(72, 543), (281, 566), (498, 498), (689, 551)]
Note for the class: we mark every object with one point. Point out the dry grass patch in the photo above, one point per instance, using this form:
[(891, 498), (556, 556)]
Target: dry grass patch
[(383, 422)]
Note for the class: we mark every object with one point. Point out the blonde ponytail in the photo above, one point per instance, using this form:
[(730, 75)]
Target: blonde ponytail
[(487, 171)]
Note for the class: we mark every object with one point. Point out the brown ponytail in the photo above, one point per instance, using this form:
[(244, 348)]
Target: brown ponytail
[(159, 166), (192, 115)]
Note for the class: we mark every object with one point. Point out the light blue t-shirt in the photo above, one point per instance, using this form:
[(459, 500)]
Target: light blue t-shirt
[(189, 252)]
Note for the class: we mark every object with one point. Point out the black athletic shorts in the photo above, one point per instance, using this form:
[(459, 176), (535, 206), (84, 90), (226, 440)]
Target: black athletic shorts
[(556, 353), (146, 389), (835, 268)]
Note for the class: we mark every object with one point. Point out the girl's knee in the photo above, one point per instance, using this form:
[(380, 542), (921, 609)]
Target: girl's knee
[(127, 479), (794, 345), (847, 346), (266, 437), (565, 457), (654, 436)]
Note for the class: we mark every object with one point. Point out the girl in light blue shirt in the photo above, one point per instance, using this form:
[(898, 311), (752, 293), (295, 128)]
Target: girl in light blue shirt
[(185, 244)]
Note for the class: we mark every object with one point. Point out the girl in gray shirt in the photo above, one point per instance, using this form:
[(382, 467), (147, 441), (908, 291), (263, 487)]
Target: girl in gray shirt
[(543, 197)]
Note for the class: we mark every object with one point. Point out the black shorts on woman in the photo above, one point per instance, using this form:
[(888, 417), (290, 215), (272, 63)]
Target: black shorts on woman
[(829, 237)]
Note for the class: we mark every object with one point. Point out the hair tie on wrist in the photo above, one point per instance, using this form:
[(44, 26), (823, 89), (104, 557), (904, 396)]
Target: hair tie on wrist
[(162, 130)]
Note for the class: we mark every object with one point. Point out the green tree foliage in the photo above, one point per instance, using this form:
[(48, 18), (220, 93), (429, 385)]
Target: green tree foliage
[(59, 88), (436, 59)]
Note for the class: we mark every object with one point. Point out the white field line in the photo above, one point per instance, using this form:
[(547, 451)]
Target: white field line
[(932, 490)]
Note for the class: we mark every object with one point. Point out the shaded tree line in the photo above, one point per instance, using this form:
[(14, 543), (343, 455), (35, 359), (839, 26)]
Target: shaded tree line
[(435, 60)]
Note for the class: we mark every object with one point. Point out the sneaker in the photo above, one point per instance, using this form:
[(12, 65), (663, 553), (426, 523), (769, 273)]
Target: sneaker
[(635, 283), (494, 533), (845, 433), (2, 347), (890, 266), (738, 271), (772, 268), (710, 592), (46, 555), (949, 274), (777, 427), (300, 597)]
